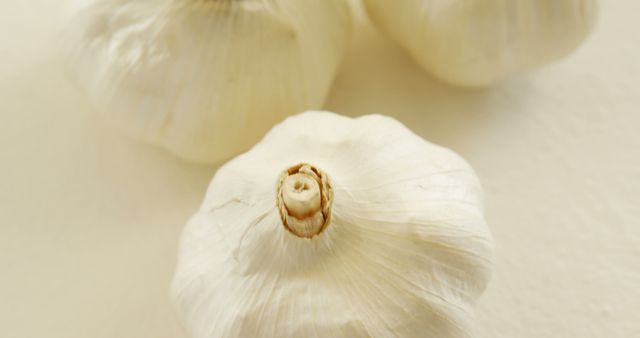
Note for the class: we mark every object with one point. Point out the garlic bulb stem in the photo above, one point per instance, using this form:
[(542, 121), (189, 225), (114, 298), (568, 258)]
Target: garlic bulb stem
[(301, 195), (304, 200)]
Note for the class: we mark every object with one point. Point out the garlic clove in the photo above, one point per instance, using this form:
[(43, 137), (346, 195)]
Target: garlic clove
[(479, 42), (205, 79), (398, 246)]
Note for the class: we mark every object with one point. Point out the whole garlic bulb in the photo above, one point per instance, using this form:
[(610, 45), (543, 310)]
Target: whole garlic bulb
[(205, 78), (336, 227), (478, 42)]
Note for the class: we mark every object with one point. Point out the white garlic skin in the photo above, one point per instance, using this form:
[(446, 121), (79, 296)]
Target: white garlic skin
[(205, 79), (406, 253), (480, 42)]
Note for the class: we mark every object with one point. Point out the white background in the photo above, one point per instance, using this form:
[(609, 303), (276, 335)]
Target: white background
[(89, 220)]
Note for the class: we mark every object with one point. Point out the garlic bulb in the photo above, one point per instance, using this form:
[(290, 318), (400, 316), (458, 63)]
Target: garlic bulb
[(478, 42), (336, 227), (205, 78)]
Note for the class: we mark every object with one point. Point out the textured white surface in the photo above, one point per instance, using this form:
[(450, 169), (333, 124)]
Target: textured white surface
[(407, 251), (89, 220)]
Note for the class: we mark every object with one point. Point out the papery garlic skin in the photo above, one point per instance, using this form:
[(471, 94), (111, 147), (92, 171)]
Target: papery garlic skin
[(406, 251), (202, 78), (479, 42)]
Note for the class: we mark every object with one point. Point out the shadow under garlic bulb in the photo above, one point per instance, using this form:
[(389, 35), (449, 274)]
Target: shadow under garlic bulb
[(479, 42), (205, 78), (336, 227)]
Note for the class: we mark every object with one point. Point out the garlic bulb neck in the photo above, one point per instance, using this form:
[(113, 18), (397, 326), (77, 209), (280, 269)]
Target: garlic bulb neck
[(304, 199)]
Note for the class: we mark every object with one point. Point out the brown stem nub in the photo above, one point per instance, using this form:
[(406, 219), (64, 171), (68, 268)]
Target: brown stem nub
[(304, 199)]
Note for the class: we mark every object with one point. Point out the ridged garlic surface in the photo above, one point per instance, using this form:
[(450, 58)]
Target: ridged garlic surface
[(336, 227), (205, 78), (479, 42)]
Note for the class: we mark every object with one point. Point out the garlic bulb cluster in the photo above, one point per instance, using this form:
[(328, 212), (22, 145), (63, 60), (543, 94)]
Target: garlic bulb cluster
[(336, 227), (205, 78), (478, 42)]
